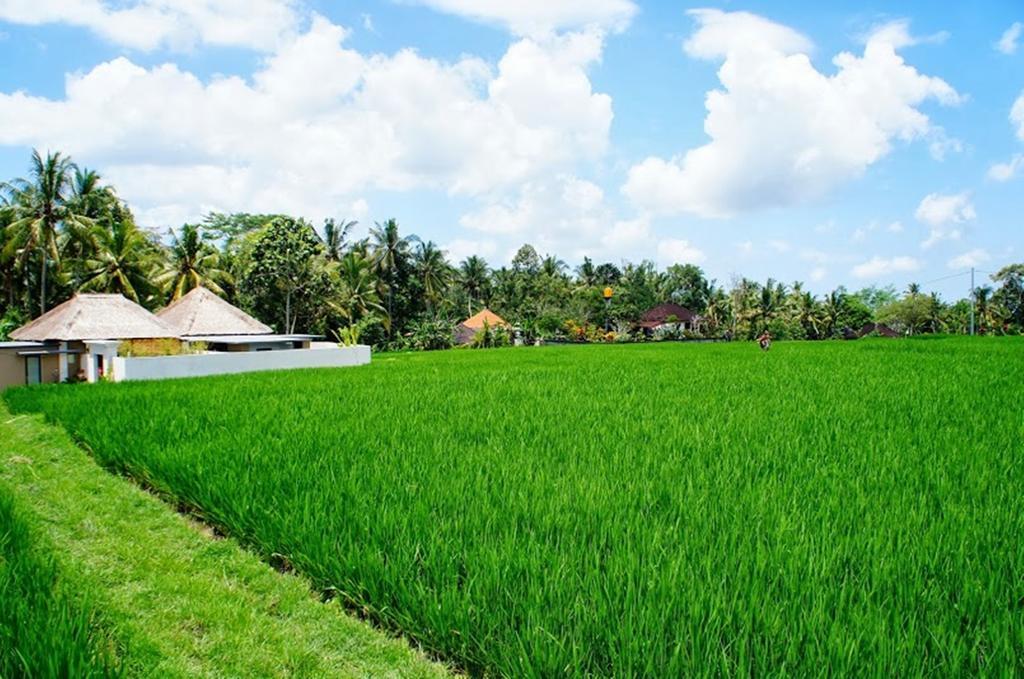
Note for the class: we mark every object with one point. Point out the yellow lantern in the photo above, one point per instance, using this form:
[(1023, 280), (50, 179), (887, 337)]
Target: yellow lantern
[(607, 293)]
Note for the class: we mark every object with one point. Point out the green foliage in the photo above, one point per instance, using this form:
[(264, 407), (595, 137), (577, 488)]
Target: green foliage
[(430, 335), (45, 629), (646, 510), (285, 277)]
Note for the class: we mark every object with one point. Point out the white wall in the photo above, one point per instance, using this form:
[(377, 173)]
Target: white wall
[(221, 363)]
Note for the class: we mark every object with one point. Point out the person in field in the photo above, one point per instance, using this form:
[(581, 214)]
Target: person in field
[(765, 341)]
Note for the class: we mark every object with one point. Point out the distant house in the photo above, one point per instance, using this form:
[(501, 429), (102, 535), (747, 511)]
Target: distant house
[(78, 337), (879, 329), (467, 330), (669, 316), (202, 316)]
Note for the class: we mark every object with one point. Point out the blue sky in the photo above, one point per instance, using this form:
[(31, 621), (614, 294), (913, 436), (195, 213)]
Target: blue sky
[(841, 143)]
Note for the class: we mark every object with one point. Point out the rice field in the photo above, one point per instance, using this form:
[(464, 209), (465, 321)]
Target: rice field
[(649, 510)]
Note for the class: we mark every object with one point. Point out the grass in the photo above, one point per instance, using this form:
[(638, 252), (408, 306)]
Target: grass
[(646, 510), (47, 627), (171, 600)]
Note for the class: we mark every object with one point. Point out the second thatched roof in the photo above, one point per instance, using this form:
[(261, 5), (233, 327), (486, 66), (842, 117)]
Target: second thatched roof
[(202, 312)]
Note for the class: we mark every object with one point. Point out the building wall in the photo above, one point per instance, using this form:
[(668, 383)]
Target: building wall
[(12, 369), (222, 363)]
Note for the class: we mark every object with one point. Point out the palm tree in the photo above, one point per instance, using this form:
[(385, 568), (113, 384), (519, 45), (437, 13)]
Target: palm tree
[(914, 289), (335, 233), (358, 295), (552, 266), (41, 206), (194, 263), (474, 276), (984, 308), (390, 252), (433, 272), (123, 263)]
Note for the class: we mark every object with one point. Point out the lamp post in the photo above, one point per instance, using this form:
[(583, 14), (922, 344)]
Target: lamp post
[(607, 308)]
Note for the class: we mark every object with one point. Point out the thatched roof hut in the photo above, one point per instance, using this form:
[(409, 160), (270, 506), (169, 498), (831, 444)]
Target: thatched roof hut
[(467, 329), (201, 313), (94, 317)]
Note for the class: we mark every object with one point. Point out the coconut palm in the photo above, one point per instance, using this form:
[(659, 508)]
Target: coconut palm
[(334, 237), (358, 291), (433, 272), (123, 263), (41, 206), (194, 263), (390, 252), (474, 276)]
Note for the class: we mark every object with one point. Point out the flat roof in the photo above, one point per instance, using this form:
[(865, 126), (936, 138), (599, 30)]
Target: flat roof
[(249, 339), (20, 345)]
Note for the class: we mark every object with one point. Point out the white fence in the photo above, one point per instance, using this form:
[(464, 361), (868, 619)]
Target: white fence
[(222, 363)]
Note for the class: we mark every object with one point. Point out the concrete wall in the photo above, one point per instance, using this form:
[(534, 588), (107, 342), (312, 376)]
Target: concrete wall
[(221, 363)]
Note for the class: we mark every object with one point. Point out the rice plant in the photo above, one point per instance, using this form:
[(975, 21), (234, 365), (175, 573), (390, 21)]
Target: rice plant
[(655, 510)]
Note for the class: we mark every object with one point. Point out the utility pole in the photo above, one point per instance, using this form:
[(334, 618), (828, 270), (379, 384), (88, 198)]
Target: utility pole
[(972, 301)]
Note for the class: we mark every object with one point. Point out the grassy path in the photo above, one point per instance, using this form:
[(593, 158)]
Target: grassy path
[(178, 602)]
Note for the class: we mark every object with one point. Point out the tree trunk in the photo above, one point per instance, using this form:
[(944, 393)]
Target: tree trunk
[(42, 285)]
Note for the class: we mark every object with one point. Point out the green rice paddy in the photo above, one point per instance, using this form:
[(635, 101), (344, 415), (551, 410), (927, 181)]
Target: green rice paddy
[(651, 510)]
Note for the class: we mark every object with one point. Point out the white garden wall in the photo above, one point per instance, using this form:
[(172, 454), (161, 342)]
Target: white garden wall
[(222, 363)]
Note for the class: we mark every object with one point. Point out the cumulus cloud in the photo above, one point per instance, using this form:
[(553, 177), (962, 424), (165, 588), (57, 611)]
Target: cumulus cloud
[(318, 123), (151, 24), (676, 251), (781, 131), (539, 17), (969, 259), (1003, 172), (943, 213), (881, 266), (1017, 116), (1007, 44)]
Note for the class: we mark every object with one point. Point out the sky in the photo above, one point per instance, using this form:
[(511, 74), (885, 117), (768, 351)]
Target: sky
[(843, 143)]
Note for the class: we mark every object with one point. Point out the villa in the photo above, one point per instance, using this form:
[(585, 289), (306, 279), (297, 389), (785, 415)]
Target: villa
[(102, 336)]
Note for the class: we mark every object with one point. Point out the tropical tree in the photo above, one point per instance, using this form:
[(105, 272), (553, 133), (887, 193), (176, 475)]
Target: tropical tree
[(390, 253), (357, 296), (334, 237), (433, 272), (193, 263), (42, 205), (124, 263), (473, 278)]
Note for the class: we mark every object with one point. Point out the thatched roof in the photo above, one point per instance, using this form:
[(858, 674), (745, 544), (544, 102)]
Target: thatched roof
[(661, 314), (201, 312), (488, 317), (94, 317)]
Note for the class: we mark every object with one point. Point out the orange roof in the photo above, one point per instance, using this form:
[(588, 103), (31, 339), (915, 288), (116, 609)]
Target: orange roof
[(493, 320)]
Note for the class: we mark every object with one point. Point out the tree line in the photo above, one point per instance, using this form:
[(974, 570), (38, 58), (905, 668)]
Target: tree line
[(64, 230)]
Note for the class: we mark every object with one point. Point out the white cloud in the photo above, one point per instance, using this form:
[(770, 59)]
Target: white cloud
[(818, 274), (461, 248), (881, 266), (540, 17), (895, 227), (151, 24), (1002, 172), (563, 214), (781, 131), (319, 123), (1007, 44), (780, 246), (1017, 116), (676, 251), (967, 260), (942, 212), (746, 247)]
